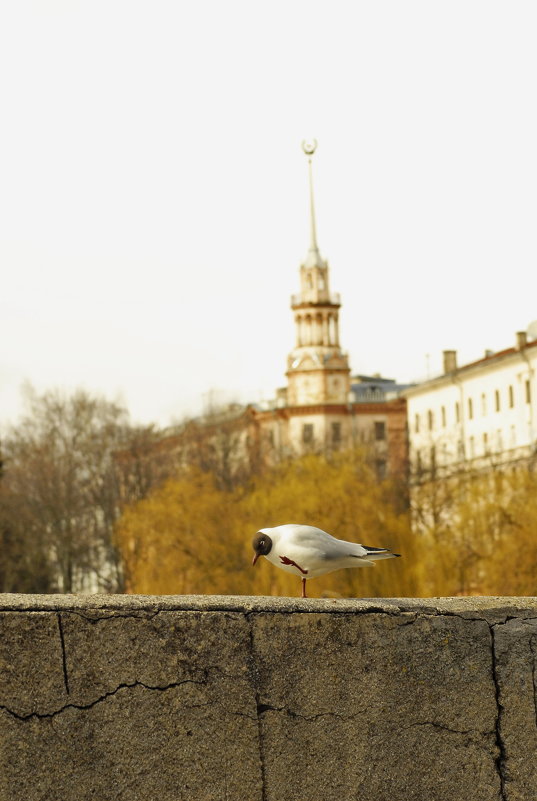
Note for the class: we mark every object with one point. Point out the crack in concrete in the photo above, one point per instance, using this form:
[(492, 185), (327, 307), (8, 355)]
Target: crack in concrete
[(383, 736), (443, 727), (262, 708), (158, 688), (501, 759), (533, 639), (141, 615), (148, 613), (397, 612), (332, 613), (64, 659), (260, 733), (463, 616)]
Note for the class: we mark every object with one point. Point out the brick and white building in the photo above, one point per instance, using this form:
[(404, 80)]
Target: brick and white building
[(323, 407)]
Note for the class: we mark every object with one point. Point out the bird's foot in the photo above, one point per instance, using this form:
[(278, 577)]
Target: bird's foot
[(287, 561)]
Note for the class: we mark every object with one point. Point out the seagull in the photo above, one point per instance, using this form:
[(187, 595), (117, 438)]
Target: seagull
[(308, 552)]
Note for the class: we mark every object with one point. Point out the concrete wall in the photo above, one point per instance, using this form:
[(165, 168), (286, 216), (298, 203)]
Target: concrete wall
[(264, 699)]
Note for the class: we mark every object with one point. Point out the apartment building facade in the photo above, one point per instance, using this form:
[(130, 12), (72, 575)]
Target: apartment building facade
[(479, 413)]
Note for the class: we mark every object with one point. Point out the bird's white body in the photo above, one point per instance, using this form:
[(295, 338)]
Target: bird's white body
[(309, 552)]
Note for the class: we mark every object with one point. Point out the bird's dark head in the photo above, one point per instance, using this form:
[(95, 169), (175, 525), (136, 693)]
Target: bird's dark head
[(262, 545)]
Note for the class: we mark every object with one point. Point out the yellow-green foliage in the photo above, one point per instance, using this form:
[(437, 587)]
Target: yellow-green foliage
[(482, 539), (190, 537), (515, 562)]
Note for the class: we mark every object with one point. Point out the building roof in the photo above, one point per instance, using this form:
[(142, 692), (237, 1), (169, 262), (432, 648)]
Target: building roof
[(489, 360), (367, 389)]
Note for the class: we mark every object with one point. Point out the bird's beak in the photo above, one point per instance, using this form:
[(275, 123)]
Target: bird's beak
[(254, 560)]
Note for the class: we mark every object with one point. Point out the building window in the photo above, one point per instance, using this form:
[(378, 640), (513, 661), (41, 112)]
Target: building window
[(485, 443), (471, 445), (512, 442), (417, 424), (499, 441), (457, 412), (483, 404), (528, 391), (497, 400), (430, 419), (460, 450), (470, 409), (336, 433), (380, 430), (511, 397), (443, 412), (307, 433)]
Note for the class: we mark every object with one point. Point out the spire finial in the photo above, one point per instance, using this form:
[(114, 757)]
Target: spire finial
[(309, 147)]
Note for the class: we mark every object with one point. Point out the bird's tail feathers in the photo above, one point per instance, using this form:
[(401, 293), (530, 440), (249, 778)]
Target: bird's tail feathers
[(379, 553)]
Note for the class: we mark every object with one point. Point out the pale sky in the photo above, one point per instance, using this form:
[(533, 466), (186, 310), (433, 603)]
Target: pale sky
[(154, 200)]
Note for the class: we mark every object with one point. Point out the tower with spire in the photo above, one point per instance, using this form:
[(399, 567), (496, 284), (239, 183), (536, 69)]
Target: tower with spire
[(321, 409), (318, 370)]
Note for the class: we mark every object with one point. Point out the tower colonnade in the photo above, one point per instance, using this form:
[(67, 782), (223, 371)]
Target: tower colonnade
[(317, 328)]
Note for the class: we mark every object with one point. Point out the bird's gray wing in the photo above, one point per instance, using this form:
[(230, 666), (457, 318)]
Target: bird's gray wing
[(327, 547)]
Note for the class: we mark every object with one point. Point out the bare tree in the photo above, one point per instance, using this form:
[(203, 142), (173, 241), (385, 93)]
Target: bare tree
[(60, 494), (224, 442)]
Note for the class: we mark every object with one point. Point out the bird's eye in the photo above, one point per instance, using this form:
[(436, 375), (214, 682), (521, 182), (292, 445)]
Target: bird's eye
[(262, 542)]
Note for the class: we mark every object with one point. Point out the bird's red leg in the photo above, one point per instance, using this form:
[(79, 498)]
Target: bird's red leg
[(304, 588), (287, 561)]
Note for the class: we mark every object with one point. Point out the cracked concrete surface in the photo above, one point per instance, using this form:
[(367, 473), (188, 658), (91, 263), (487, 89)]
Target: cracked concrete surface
[(267, 699)]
